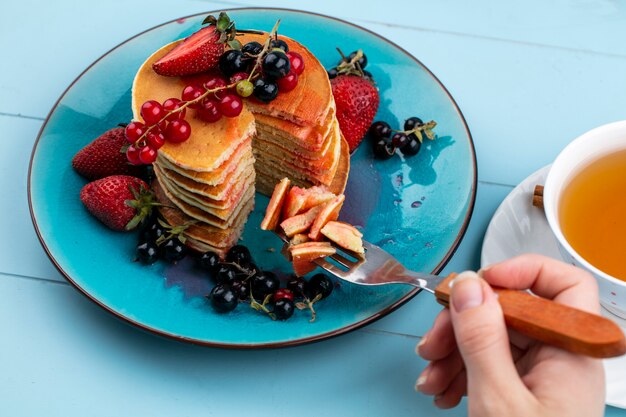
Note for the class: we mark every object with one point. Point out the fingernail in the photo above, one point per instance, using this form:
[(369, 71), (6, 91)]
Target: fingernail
[(422, 378), (481, 271), (421, 343), (437, 398), (467, 291)]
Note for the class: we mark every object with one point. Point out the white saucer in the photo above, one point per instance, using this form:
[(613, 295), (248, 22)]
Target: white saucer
[(518, 227)]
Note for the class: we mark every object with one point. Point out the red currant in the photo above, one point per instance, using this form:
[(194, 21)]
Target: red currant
[(192, 92), (177, 131), (297, 62), (288, 82), (239, 76), (133, 131), (132, 154), (282, 293), (155, 140), (216, 82), (147, 155), (209, 111), (230, 105), (152, 112), (172, 104)]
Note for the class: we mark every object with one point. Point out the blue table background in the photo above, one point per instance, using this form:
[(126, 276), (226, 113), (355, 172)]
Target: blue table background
[(529, 78)]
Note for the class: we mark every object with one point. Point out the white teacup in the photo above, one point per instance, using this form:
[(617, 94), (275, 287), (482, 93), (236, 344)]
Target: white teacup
[(586, 148)]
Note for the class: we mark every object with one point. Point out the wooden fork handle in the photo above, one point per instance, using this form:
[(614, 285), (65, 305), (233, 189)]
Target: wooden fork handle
[(552, 323)]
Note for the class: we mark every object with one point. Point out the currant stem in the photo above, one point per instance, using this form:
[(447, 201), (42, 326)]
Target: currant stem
[(182, 107), (266, 47)]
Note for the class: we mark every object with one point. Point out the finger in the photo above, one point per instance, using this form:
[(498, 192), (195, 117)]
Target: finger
[(439, 341), (438, 375), (452, 396), (519, 340), (547, 278), (481, 336)]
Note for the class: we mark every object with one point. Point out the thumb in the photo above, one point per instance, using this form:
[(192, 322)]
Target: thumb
[(481, 336)]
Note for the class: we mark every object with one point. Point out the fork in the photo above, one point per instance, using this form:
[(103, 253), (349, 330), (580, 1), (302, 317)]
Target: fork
[(541, 319)]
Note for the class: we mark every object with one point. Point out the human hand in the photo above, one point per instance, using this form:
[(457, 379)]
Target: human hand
[(502, 372)]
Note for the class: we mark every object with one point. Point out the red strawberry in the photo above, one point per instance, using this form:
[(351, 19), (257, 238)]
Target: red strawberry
[(357, 103), (118, 201), (200, 51), (103, 157)]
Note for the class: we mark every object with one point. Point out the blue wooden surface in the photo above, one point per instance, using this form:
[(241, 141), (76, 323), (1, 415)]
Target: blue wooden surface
[(529, 78)]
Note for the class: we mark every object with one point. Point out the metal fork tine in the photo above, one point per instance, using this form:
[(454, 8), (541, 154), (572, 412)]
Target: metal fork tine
[(332, 268), (341, 260)]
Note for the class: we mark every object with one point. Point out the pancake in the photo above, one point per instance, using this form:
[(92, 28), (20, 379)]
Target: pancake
[(200, 214), (199, 231), (220, 209), (216, 192)]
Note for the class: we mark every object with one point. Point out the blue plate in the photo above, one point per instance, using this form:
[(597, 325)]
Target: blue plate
[(415, 208)]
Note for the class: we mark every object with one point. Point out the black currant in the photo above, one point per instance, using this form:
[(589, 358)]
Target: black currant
[(223, 298), (147, 252), (242, 288), (264, 284), (298, 286), (380, 129), (398, 140), (209, 261), (276, 65), (239, 254), (151, 232), (383, 149), (332, 73), (412, 122), (265, 90), (252, 48), (173, 250), (283, 309), (412, 147), (225, 274), (320, 284), (279, 43), (232, 61)]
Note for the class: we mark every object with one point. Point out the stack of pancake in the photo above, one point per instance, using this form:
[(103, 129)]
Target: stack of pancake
[(209, 180)]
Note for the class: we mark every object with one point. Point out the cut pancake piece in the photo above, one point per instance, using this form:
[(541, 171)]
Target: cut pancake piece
[(267, 178), (322, 170), (312, 139), (217, 176), (264, 141)]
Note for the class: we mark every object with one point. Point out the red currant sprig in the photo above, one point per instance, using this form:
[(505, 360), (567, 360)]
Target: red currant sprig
[(166, 122)]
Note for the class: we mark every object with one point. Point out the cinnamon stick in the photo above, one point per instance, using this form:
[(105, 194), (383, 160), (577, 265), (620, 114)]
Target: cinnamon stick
[(538, 196)]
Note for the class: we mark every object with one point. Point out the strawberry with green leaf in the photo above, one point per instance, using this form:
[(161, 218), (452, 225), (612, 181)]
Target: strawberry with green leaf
[(121, 202), (200, 51), (356, 98)]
